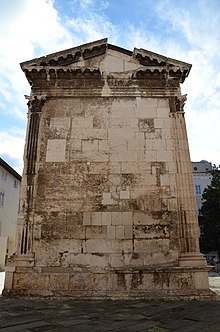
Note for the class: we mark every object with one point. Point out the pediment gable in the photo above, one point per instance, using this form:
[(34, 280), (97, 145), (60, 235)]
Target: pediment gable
[(107, 58)]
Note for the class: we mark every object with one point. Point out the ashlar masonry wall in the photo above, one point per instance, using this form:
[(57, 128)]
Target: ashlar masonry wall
[(107, 202), (115, 196)]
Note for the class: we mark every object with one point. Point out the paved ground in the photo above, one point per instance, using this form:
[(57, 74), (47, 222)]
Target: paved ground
[(120, 316)]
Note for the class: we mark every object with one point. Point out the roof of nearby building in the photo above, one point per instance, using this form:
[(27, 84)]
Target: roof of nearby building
[(10, 169), (202, 166)]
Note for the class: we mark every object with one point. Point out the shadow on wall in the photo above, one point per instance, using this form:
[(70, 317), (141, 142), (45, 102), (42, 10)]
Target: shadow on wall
[(2, 280), (10, 245)]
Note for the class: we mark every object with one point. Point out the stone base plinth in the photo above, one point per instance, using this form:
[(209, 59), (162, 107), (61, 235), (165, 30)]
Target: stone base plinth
[(179, 283)]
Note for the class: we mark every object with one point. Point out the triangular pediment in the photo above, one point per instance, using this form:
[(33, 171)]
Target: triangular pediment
[(107, 58)]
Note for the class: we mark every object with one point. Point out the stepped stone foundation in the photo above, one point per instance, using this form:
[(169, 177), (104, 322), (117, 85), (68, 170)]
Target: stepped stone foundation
[(107, 207)]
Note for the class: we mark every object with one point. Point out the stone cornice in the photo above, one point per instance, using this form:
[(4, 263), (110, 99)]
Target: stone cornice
[(58, 65), (69, 56)]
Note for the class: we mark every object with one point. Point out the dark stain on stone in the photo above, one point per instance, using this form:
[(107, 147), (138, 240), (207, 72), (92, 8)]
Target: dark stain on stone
[(137, 279), (121, 280), (146, 125)]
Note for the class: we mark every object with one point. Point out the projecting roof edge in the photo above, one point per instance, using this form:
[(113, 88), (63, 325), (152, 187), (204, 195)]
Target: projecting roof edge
[(10, 169), (64, 54), (161, 58)]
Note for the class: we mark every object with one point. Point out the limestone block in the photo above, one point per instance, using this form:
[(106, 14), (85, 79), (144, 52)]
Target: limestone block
[(123, 108), (163, 102), (151, 155), (154, 231), (107, 199), (112, 61), (162, 155), (116, 261), (159, 145), (146, 107), (119, 232), (172, 204), (150, 246), (140, 218), (8, 280), (88, 284), (59, 281), (89, 133), (116, 218), (117, 139), (170, 145), (157, 133), (87, 220), (126, 218), (163, 112), (144, 167), (60, 126), (114, 157), (111, 232), (166, 133), (171, 166), (128, 232), (60, 123), (96, 232), (165, 180), (129, 167), (56, 150), (98, 262), (124, 194), (123, 122), (123, 156), (75, 144), (81, 122), (98, 167), (114, 166), (29, 280), (137, 260), (119, 246), (103, 145), (136, 142), (93, 156), (90, 144), (201, 280), (97, 218), (106, 218), (159, 123), (168, 122), (97, 246)]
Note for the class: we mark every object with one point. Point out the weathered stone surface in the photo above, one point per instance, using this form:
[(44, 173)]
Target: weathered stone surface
[(108, 201)]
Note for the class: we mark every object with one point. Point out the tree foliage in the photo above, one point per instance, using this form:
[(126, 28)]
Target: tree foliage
[(210, 220)]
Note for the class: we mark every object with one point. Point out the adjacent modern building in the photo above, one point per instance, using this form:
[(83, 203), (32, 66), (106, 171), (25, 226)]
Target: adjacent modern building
[(10, 183), (107, 205), (202, 178)]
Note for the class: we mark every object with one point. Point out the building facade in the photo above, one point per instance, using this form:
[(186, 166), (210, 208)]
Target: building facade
[(10, 183), (202, 179), (107, 201)]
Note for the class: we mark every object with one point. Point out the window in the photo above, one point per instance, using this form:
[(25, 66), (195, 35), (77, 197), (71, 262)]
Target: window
[(2, 195), (15, 183), (198, 189)]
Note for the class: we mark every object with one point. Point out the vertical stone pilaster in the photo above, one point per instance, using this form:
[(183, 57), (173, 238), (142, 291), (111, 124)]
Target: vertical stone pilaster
[(35, 105), (188, 222)]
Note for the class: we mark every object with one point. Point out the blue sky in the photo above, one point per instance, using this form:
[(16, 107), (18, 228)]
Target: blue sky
[(186, 30)]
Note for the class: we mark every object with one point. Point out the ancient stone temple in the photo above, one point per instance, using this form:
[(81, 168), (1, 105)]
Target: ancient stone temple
[(107, 204)]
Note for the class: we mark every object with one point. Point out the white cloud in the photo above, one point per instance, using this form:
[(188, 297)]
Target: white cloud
[(92, 27), (12, 146), (30, 29)]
